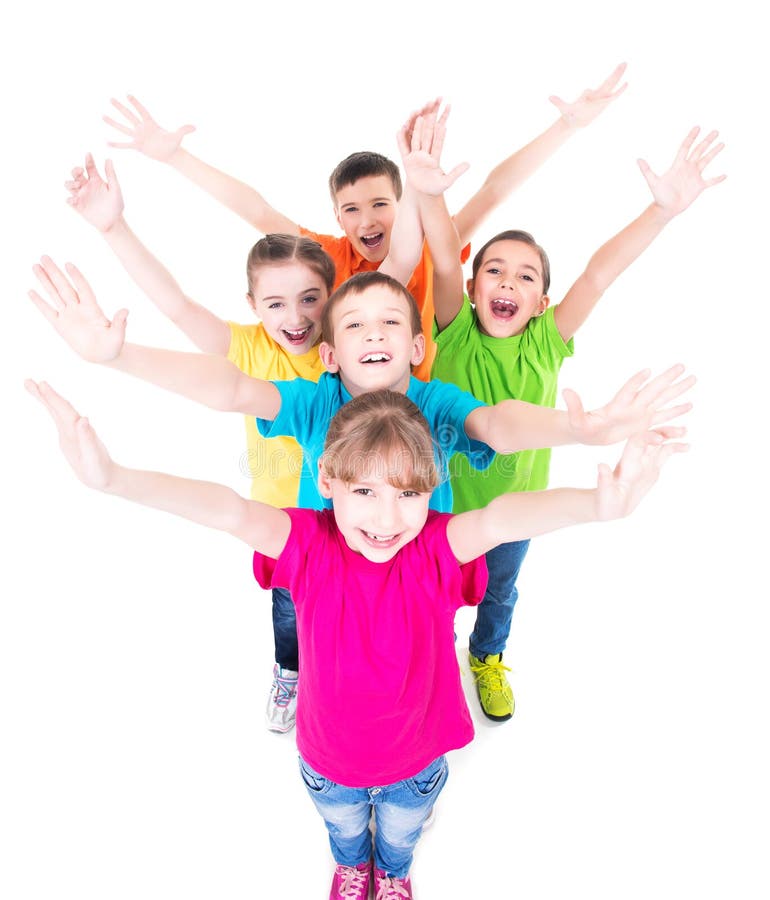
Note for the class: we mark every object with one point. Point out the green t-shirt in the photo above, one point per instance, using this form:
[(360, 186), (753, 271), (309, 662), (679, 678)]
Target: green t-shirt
[(523, 367)]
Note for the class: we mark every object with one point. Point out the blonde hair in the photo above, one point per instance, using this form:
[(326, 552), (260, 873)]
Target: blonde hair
[(384, 434), (275, 249)]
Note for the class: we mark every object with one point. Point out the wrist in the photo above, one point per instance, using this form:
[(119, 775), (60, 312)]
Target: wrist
[(116, 230)]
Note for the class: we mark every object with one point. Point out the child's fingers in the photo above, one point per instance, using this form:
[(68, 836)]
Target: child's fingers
[(673, 412), (81, 285), (58, 281), (665, 385), (458, 170), (612, 79), (118, 126), (109, 171), (417, 131), (50, 314), (705, 160), (122, 144), (703, 145), (684, 149), (649, 176), (48, 286), (91, 170), (143, 112), (128, 113)]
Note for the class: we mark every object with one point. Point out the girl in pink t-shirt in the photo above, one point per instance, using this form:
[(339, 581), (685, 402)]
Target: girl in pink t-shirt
[(376, 582)]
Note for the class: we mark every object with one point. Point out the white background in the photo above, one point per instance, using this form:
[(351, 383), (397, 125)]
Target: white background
[(135, 650)]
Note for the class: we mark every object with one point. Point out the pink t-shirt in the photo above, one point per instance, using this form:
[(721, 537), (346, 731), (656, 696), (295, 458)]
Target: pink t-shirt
[(380, 694)]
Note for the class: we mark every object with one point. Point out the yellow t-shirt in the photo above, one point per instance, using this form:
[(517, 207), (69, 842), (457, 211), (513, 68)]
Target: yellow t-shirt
[(274, 464)]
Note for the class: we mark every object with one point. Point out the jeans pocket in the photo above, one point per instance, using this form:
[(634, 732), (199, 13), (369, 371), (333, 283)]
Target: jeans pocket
[(314, 781), (431, 779)]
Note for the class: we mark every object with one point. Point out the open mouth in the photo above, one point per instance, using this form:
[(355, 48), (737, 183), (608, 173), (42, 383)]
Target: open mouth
[(298, 335), (373, 241), (378, 357), (380, 540), (504, 309)]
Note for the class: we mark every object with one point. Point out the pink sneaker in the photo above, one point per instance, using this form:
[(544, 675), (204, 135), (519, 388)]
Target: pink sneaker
[(391, 888), (351, 882)]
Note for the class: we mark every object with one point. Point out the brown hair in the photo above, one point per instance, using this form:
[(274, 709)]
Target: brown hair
[(381, 433), (523, 237), (280, 248), (359, 283), (363, 165)]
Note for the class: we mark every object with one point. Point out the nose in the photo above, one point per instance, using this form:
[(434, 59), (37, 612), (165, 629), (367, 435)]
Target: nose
[(375, 333), (386, 516)]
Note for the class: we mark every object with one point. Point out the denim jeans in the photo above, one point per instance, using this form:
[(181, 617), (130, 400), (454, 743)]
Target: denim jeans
[(494, 613), (399, 809), (285, 630)]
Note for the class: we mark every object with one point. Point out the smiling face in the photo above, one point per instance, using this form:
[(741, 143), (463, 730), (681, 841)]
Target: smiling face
[(374, 346), (365, 211), (508, 288), (289, 299), (375, 517)]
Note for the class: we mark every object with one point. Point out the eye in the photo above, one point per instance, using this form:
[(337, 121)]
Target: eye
[(527, 278), (276, 305), (350, 209), (364, 492), (392, 322), (381, 203), (493, 270), (310, 299), (410, 494), (353, 325)]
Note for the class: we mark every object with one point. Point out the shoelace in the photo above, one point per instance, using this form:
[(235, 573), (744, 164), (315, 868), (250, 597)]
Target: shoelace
[(391, 889), (285, 689), (354, 881), (493, 672)]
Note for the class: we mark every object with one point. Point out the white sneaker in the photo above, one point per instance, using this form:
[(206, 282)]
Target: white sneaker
[(282, 703)]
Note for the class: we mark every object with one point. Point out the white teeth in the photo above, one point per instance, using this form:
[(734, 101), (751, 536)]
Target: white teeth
[(379, 537), (375, 357), (298, 333), (505, 303)]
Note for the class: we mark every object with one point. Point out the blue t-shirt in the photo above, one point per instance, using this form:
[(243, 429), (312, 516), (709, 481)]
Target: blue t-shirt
[(307, 408)]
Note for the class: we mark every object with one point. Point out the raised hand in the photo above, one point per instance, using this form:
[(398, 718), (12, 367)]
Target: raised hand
[(76, 315), (638, 406), (420, 141), (78, 441), (676, 189), (620, 490), (591, 103), (145, 134), (100, 202)]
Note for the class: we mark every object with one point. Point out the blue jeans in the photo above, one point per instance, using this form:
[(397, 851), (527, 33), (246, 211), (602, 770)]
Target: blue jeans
[(399, 809), (285, 630), (494, 613)]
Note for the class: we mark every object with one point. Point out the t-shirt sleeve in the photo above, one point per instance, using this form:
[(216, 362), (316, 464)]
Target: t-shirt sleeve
[(546, 337), (446, 410), (456, 332), (468, 581), (282, 572), (294, 416)]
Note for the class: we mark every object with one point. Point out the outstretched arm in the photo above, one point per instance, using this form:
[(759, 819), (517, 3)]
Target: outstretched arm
[(211, 380), (672, 193), (517, 168), (420, 142), (145, 135), (527, 514), (100, 202), (640, 404), (262, 527)]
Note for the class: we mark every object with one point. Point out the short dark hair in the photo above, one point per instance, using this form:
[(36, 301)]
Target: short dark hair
[(362, 165), (523, 237), (281, 248), (357, 285)]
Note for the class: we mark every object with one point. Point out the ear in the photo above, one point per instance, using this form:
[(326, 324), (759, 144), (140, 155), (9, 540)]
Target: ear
[(328, 358), (418, 349), (324, 482), (469, 287), (252, 302), (338, 217), (545, 301)]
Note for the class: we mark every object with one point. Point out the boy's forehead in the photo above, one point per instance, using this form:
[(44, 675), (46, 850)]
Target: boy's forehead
[(366, 189), (377, 297)]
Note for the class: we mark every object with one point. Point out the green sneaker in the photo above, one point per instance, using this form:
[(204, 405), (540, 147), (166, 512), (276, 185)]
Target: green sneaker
[(495, 694)]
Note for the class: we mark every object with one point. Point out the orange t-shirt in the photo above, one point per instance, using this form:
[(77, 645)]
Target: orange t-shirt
[(349, 262)]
